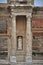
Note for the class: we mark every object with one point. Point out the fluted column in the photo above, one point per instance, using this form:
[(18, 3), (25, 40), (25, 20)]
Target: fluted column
[(28, 40)]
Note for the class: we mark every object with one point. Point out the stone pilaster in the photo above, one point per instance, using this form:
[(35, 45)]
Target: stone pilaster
[(28, 40)]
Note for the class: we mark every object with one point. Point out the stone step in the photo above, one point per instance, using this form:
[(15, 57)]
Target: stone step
[(27, 64), (21, 63), (4, 64), (37, 64)]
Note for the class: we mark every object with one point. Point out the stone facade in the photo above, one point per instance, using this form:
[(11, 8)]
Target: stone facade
[(26, 11)]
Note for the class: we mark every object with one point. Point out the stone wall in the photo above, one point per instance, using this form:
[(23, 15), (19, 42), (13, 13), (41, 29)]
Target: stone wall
[(37, 30)]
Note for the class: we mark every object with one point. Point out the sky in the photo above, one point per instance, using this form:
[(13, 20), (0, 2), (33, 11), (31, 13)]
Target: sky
[(3, 1), (36, 2)]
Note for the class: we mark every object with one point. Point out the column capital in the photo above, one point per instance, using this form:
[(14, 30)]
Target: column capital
[(29, 15), (12, 13)]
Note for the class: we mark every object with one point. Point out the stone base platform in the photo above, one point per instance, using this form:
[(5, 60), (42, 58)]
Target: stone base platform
[(34, 62), (21, 63), (24, 63)]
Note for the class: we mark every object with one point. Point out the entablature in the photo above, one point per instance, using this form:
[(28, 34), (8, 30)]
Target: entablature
[(21, 2)]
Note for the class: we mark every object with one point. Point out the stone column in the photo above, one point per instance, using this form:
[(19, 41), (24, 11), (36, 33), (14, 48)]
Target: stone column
[(13, 45), (28, 40), (13, 35)]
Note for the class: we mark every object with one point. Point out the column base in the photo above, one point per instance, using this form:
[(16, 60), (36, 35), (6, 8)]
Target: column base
[(13, 59), (28, 59)]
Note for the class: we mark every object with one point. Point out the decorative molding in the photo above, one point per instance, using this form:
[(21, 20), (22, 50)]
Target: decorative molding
[(16, 12)]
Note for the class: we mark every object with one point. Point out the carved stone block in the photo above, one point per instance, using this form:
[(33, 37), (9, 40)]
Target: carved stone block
[(28, 59)]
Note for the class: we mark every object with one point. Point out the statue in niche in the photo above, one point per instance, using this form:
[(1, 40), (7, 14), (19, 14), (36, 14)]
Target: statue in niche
[(20, 43)]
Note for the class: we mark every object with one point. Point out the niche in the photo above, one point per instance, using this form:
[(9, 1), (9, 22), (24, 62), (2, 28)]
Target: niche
[(19, 43)]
